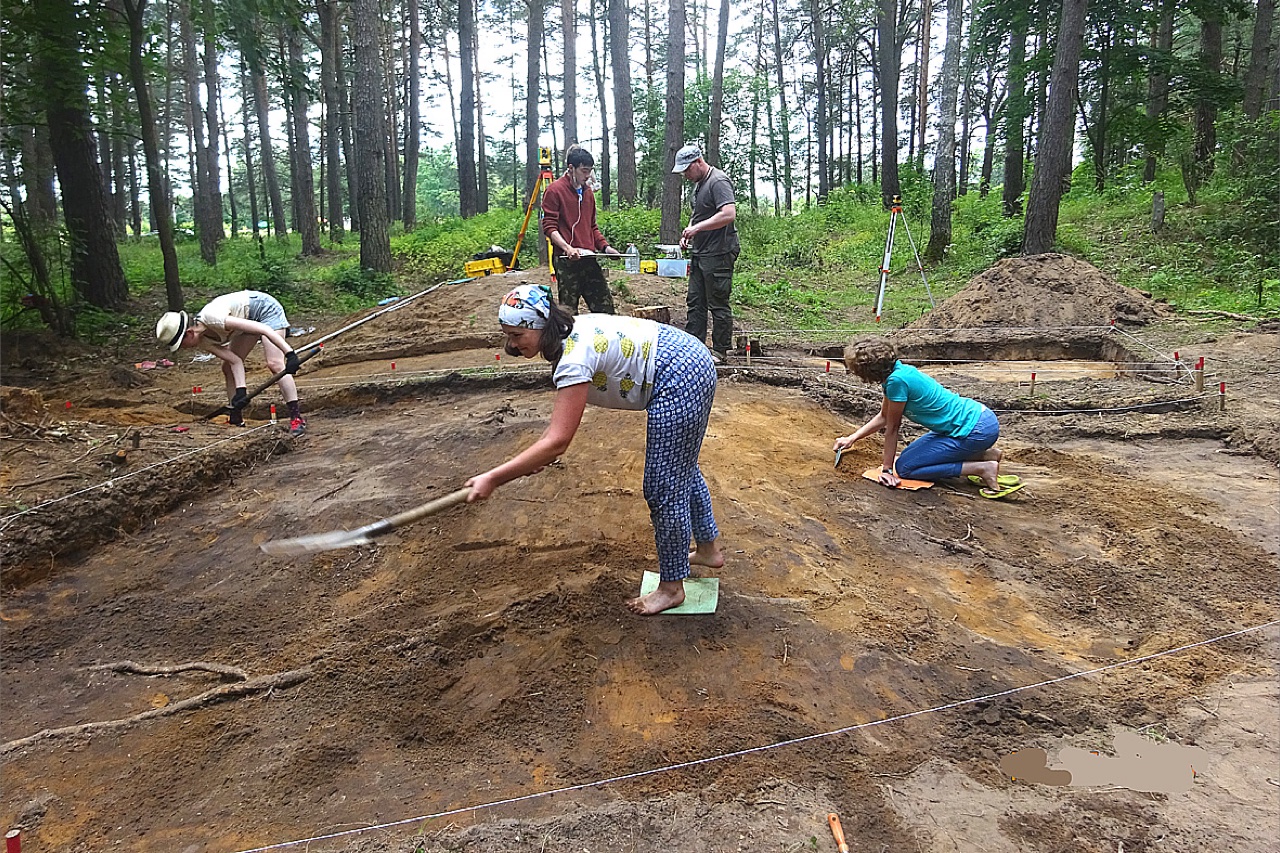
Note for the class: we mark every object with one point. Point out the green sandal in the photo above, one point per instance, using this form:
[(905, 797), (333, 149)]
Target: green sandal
[(1003, 480), (1001, 492)]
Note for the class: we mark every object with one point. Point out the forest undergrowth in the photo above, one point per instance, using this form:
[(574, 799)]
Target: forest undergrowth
[(817, 269)]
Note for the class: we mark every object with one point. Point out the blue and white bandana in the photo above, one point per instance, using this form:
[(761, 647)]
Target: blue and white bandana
[(526, 307)]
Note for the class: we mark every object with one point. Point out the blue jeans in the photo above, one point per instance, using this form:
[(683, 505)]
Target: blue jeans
[(934, 456)]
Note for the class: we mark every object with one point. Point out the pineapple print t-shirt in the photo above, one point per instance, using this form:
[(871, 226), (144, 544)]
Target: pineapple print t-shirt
[(615, 355)]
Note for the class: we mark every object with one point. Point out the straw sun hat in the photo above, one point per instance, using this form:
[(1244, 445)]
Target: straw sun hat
[(171, 328)]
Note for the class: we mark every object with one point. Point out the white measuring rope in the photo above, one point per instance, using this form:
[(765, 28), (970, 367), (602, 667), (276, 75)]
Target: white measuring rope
[(792, 742), (4, 522)]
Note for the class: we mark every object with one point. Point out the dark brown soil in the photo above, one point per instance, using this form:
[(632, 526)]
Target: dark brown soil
[(473, 682)]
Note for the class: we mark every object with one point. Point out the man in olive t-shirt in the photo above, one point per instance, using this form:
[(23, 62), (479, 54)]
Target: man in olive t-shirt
[(712, 239)]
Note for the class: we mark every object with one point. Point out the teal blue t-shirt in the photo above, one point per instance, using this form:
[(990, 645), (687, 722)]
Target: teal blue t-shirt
[(929, 404)]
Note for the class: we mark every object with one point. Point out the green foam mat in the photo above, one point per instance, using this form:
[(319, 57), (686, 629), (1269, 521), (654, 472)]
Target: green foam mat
[(701, 595)]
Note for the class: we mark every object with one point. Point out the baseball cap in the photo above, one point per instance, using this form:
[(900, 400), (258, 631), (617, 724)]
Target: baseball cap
[(687, 155)]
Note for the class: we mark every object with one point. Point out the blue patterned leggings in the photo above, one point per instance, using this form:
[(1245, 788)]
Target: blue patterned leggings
[(679, 502)]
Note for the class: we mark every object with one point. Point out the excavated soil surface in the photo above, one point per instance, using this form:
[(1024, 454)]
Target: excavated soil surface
[(473, 682)]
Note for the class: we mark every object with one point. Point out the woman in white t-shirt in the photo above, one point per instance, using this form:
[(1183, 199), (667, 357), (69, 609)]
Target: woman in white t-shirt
[(229, 327), (624, 363)]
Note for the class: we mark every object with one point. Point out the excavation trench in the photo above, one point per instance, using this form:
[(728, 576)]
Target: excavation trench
[(485, 654)]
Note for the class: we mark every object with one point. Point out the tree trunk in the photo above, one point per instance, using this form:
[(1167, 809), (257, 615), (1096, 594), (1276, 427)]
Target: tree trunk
[(966, 121), (249, 177), (602, 98), (330, 60), (890, 50), (551, 104), (759, 71), (1053, 147), (944, 159), (213, 91), (37, 175), (821, 129), (371, 152), (1206, 109), (717, 88), (781, 61), (672, 182), (533, 88), (304, 184), (391, 112), (482, 142), (1255, 79), (1102, 112), (226, 151), (119, 167), (104, 138), (624, 113), (922, 99), (347, 122), (158, 187), (468, 204), (262, 105), (201, 188), (569, 49), (857, 115), (1015, 115), (412, 116), (1158, 87)]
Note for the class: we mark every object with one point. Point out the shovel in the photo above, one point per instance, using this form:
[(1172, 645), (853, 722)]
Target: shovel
[(336, 539), (306, 351)]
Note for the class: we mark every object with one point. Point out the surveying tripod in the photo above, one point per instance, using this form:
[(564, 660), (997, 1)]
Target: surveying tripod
[(894, 215), (545, 177)]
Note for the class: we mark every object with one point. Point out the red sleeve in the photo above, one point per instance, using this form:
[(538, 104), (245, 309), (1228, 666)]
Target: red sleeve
[(552, 204)]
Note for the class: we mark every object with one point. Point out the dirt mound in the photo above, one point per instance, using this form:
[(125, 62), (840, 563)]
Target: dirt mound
[(1043, 291)]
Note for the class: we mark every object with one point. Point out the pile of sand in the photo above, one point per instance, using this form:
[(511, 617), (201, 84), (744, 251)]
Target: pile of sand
[(1043, 291)]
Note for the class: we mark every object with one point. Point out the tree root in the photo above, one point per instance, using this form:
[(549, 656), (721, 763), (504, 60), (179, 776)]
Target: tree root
[(199, 665), (209, 697), (1230, 315)]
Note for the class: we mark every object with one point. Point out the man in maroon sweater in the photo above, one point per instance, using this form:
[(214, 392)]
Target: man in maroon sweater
[(569, 221)]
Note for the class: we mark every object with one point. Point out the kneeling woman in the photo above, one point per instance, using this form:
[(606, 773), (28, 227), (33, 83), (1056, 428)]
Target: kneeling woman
[(962, 432), (624, 363)]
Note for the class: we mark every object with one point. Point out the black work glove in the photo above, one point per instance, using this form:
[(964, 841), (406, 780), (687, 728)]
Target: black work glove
[(291, 362), (240, 399)]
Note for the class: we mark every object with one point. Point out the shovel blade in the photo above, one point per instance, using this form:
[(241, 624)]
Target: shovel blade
[(331, 541)]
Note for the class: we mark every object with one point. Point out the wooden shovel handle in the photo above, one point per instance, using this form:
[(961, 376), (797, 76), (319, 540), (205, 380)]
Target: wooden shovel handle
[(833, 820), (426, 509)]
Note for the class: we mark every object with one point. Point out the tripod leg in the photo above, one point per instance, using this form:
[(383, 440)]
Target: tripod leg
[(919, 263), (884, 265)]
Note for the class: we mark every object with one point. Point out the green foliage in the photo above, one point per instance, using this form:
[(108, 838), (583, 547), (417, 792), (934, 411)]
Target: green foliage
[(440, 249), (1218, 253), (638, 225), (353, 285)]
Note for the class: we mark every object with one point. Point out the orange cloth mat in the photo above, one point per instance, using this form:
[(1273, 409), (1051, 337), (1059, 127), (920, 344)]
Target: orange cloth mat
[(873, 474)]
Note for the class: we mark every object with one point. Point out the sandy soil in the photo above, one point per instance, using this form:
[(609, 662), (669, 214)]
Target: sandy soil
[(474, 682)]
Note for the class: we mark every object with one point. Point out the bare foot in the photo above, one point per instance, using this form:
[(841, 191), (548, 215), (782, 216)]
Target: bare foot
[(993, 454), (988, 471), (707, 554), (668, 594)]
